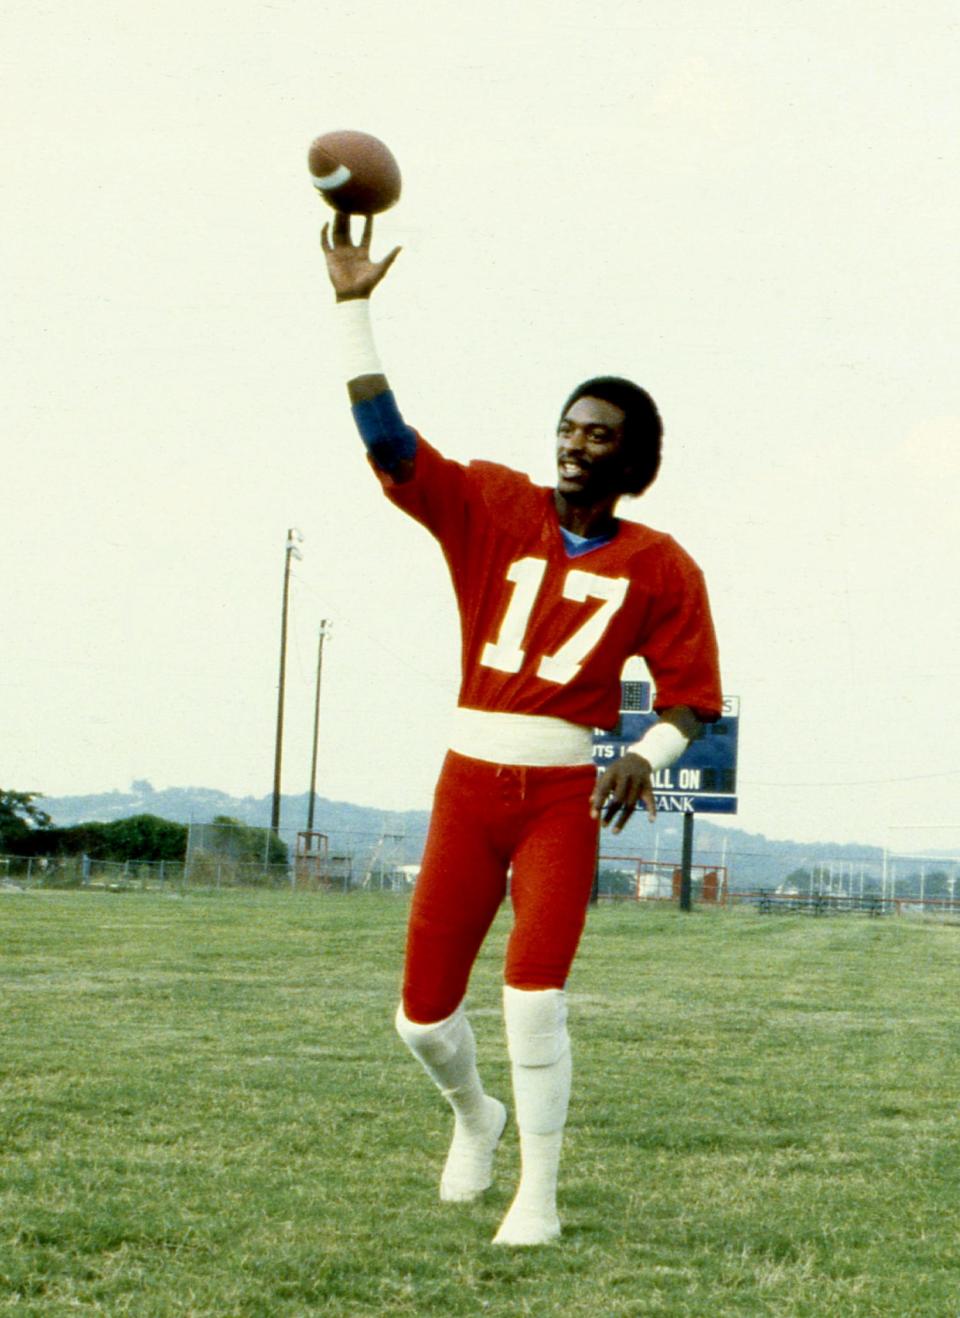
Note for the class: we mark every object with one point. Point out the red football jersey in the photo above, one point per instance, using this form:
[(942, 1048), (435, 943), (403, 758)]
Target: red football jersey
[(544, 633)]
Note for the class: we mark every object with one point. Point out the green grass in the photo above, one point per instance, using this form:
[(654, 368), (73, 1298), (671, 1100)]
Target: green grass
[(204, 1111)]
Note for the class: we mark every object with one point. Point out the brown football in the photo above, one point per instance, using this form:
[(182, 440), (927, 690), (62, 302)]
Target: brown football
[(354, 172)]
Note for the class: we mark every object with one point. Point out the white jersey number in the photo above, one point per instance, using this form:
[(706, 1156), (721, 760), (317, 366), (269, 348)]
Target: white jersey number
[(506, 653)]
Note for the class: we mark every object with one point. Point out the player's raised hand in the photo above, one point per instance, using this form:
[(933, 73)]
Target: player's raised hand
[(352, 272), (620, 789)]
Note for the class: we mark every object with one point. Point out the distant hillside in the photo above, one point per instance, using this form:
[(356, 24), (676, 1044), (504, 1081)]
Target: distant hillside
[(354, 828), (752, 859)]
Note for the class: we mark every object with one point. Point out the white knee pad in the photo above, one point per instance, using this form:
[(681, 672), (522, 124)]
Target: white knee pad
[(536, 1022), (539, 1047), (447, 1051), (438, 1042)]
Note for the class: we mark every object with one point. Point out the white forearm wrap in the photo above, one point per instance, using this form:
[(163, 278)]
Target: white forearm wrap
[(661, 745), (358, 352)]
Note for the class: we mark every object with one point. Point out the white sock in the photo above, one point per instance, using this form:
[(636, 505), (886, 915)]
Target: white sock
[(539, 1046), (447, 1051)]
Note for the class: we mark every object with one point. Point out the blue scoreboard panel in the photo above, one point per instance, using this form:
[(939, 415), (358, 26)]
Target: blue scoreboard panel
[(704, 779)]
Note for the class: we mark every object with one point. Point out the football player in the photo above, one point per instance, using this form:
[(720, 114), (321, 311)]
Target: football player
[(555, 594)]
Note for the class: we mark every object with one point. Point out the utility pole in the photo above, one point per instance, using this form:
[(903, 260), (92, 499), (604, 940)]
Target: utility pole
[(293, 539), (325, 628), (686, 861)]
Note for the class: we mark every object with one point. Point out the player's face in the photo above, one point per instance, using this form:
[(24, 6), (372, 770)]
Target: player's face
[(590, 461)]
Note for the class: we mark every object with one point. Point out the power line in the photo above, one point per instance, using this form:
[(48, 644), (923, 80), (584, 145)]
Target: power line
[(861, 782)]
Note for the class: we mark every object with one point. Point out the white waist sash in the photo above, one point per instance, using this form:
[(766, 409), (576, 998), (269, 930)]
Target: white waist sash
[(531, 739)]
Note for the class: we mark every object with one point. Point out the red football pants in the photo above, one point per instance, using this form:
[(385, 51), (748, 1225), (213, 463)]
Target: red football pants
[(485, 818)]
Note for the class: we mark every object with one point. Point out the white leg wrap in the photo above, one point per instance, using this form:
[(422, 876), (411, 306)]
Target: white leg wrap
[(447, 1051), (539, 1046)]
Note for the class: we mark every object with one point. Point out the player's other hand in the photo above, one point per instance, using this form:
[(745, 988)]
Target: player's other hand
[(620, 789), (352, 272)]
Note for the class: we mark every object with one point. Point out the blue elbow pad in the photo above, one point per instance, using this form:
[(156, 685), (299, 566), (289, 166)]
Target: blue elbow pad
[(389, 440)]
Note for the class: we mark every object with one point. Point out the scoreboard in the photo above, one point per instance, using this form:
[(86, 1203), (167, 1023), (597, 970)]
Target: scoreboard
[(704, 779)]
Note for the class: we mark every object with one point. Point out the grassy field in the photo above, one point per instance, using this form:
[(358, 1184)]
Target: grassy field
[(204, 1111)]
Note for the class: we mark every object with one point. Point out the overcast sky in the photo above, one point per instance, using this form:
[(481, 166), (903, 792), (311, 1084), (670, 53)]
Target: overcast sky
[(751, 209)]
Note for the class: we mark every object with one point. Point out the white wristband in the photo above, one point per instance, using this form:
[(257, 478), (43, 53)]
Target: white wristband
[(358, 352), (661, 745)]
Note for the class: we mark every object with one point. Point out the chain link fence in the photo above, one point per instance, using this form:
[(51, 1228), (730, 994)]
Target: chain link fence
[(138, 875), (204, 870), (908, 879)]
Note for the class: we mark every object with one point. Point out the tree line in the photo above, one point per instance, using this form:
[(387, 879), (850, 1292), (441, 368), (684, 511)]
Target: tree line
[(27, 830)]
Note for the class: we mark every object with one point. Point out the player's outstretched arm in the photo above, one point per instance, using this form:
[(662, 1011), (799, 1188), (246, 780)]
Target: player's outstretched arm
[(354, 275), (629, 782)]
